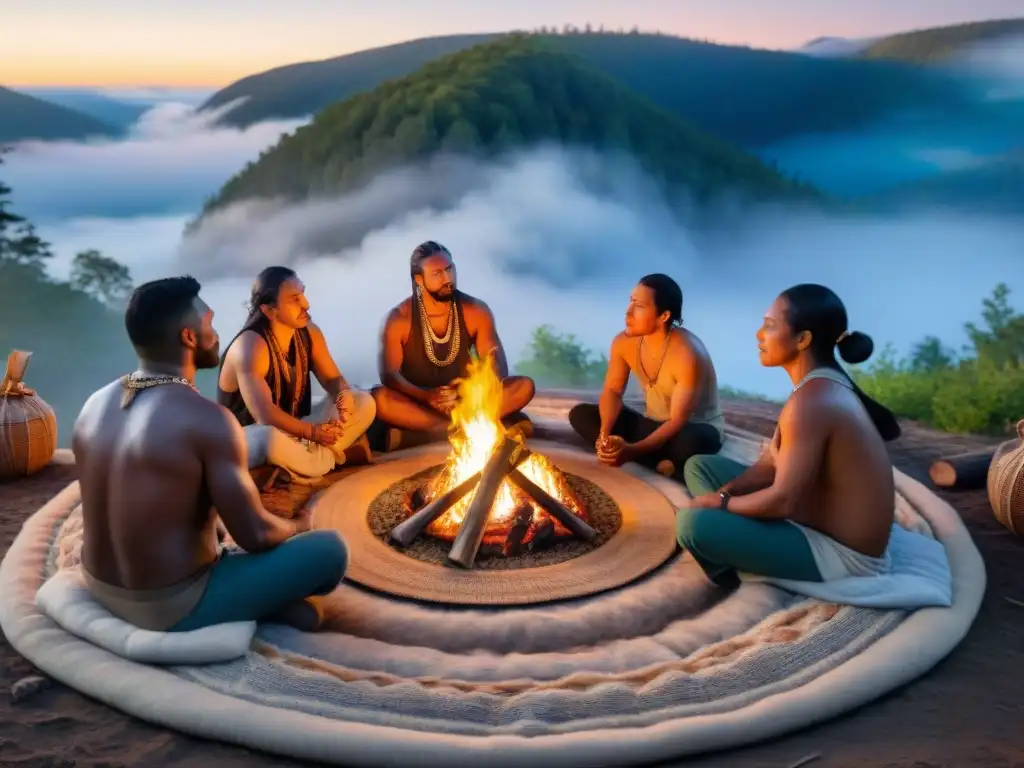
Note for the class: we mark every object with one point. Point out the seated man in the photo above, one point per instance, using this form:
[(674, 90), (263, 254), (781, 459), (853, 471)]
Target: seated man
[(158, 463), (819, 503), (682, 417), (264, 380), (425, 348)]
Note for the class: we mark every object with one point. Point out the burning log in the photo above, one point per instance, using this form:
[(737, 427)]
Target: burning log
[(513, 545), (471, 532), (543, 534), (405, 533), (414, 502), (579, 527)]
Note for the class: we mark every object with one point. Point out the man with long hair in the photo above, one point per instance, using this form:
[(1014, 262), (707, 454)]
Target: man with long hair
[(159, 464), (265, 381), (425, 348)]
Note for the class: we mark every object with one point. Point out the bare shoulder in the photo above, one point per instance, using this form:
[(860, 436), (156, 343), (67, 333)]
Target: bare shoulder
[(399, 318), (476, 313), (95, 408), (684, 351), (472, 303), (622, 343), (214, 427), (316, 336), (249, 352), (813, 405)]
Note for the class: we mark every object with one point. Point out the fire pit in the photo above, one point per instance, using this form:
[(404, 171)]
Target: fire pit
[(521, 524), (492, 490)]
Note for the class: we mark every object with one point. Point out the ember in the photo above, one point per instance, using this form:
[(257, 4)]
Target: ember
[(492, 489)]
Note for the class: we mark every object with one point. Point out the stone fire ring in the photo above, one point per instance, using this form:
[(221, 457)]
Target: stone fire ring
[(645, 540)]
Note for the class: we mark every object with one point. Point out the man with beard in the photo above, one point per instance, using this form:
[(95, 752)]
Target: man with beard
[(425, 348), (158, 464), (265, 381)]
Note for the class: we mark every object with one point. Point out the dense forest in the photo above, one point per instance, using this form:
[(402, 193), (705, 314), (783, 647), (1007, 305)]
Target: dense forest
[(994, 187), (742, 95), (938, 44), (74, 328), (26, 117), (509, 94)]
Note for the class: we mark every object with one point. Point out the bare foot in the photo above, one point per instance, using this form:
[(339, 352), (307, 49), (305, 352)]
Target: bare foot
[(666, 468), (359, 452), (306, 615)]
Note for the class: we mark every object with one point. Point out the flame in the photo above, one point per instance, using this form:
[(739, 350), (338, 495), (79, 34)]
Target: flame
[(476, 432)]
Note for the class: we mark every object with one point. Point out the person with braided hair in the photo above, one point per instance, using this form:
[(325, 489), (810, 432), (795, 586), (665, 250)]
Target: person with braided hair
[(161, 468), (425, 348), (265, 381)]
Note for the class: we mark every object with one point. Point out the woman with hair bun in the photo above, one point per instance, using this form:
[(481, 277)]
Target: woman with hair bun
[(819, 504), (682, 417)]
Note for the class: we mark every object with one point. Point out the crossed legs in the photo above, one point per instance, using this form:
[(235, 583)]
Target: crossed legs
[(398, 411)]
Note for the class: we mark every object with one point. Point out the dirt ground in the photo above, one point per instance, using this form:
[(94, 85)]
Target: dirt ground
[(968, 711)]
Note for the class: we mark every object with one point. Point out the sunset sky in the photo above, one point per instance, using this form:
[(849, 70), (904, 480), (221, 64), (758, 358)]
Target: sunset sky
[(209, 43)]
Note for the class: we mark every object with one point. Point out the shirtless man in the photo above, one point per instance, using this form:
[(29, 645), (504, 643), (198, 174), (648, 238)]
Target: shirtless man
[(158, 463), (425, 347), (265, 381), (820, 502), (681, 417)]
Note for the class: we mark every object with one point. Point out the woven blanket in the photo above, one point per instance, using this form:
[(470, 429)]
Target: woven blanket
[(670, 645)]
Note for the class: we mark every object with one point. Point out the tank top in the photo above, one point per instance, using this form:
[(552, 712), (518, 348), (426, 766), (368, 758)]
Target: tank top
[(417, 367), (290, 393), (658, 398)]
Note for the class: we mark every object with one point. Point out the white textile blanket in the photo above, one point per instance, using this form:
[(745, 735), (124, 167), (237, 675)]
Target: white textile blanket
[(66, 600)]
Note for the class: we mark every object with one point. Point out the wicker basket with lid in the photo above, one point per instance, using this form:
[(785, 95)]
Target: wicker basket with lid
[(1006, 483), (28, 426)]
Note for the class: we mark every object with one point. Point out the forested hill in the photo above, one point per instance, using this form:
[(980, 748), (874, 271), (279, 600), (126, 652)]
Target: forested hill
[(992, 187), (743, 95), (938, 44), (299, 90), (24, 117), (513, 93)]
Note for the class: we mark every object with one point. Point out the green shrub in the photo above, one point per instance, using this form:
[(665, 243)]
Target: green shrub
[(553, 359), (983, 392)]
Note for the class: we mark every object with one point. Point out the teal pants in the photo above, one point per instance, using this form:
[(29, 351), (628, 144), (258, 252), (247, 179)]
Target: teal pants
[(255, 586), (723, 543)]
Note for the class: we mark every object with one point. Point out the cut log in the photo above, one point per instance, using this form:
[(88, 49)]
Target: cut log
[(405, 533), (471, 532), (513, 545), (962, 472), (579, 527)]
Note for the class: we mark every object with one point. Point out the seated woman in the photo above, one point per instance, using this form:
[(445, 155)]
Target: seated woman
[(682, 417), (819, 503)]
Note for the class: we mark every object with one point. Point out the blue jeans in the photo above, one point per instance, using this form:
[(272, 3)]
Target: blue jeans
[(254, 586), (723, 543)]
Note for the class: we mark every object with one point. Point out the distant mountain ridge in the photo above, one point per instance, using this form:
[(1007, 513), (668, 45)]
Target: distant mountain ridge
[(24, 117), (496, 97), (938, 44), (743, 95), (115, 112)]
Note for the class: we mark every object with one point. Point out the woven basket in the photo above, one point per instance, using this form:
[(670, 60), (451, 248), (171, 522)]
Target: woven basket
[(28, 426), (1006, 483)]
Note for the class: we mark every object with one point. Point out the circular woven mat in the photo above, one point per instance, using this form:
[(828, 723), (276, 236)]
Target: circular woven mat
[(645, 539), (388, 510)]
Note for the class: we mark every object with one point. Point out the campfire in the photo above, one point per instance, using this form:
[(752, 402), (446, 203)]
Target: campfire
[(492, 490)]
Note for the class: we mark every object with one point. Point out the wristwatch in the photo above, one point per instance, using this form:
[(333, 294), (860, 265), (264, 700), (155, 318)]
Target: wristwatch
[(724, 496)]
